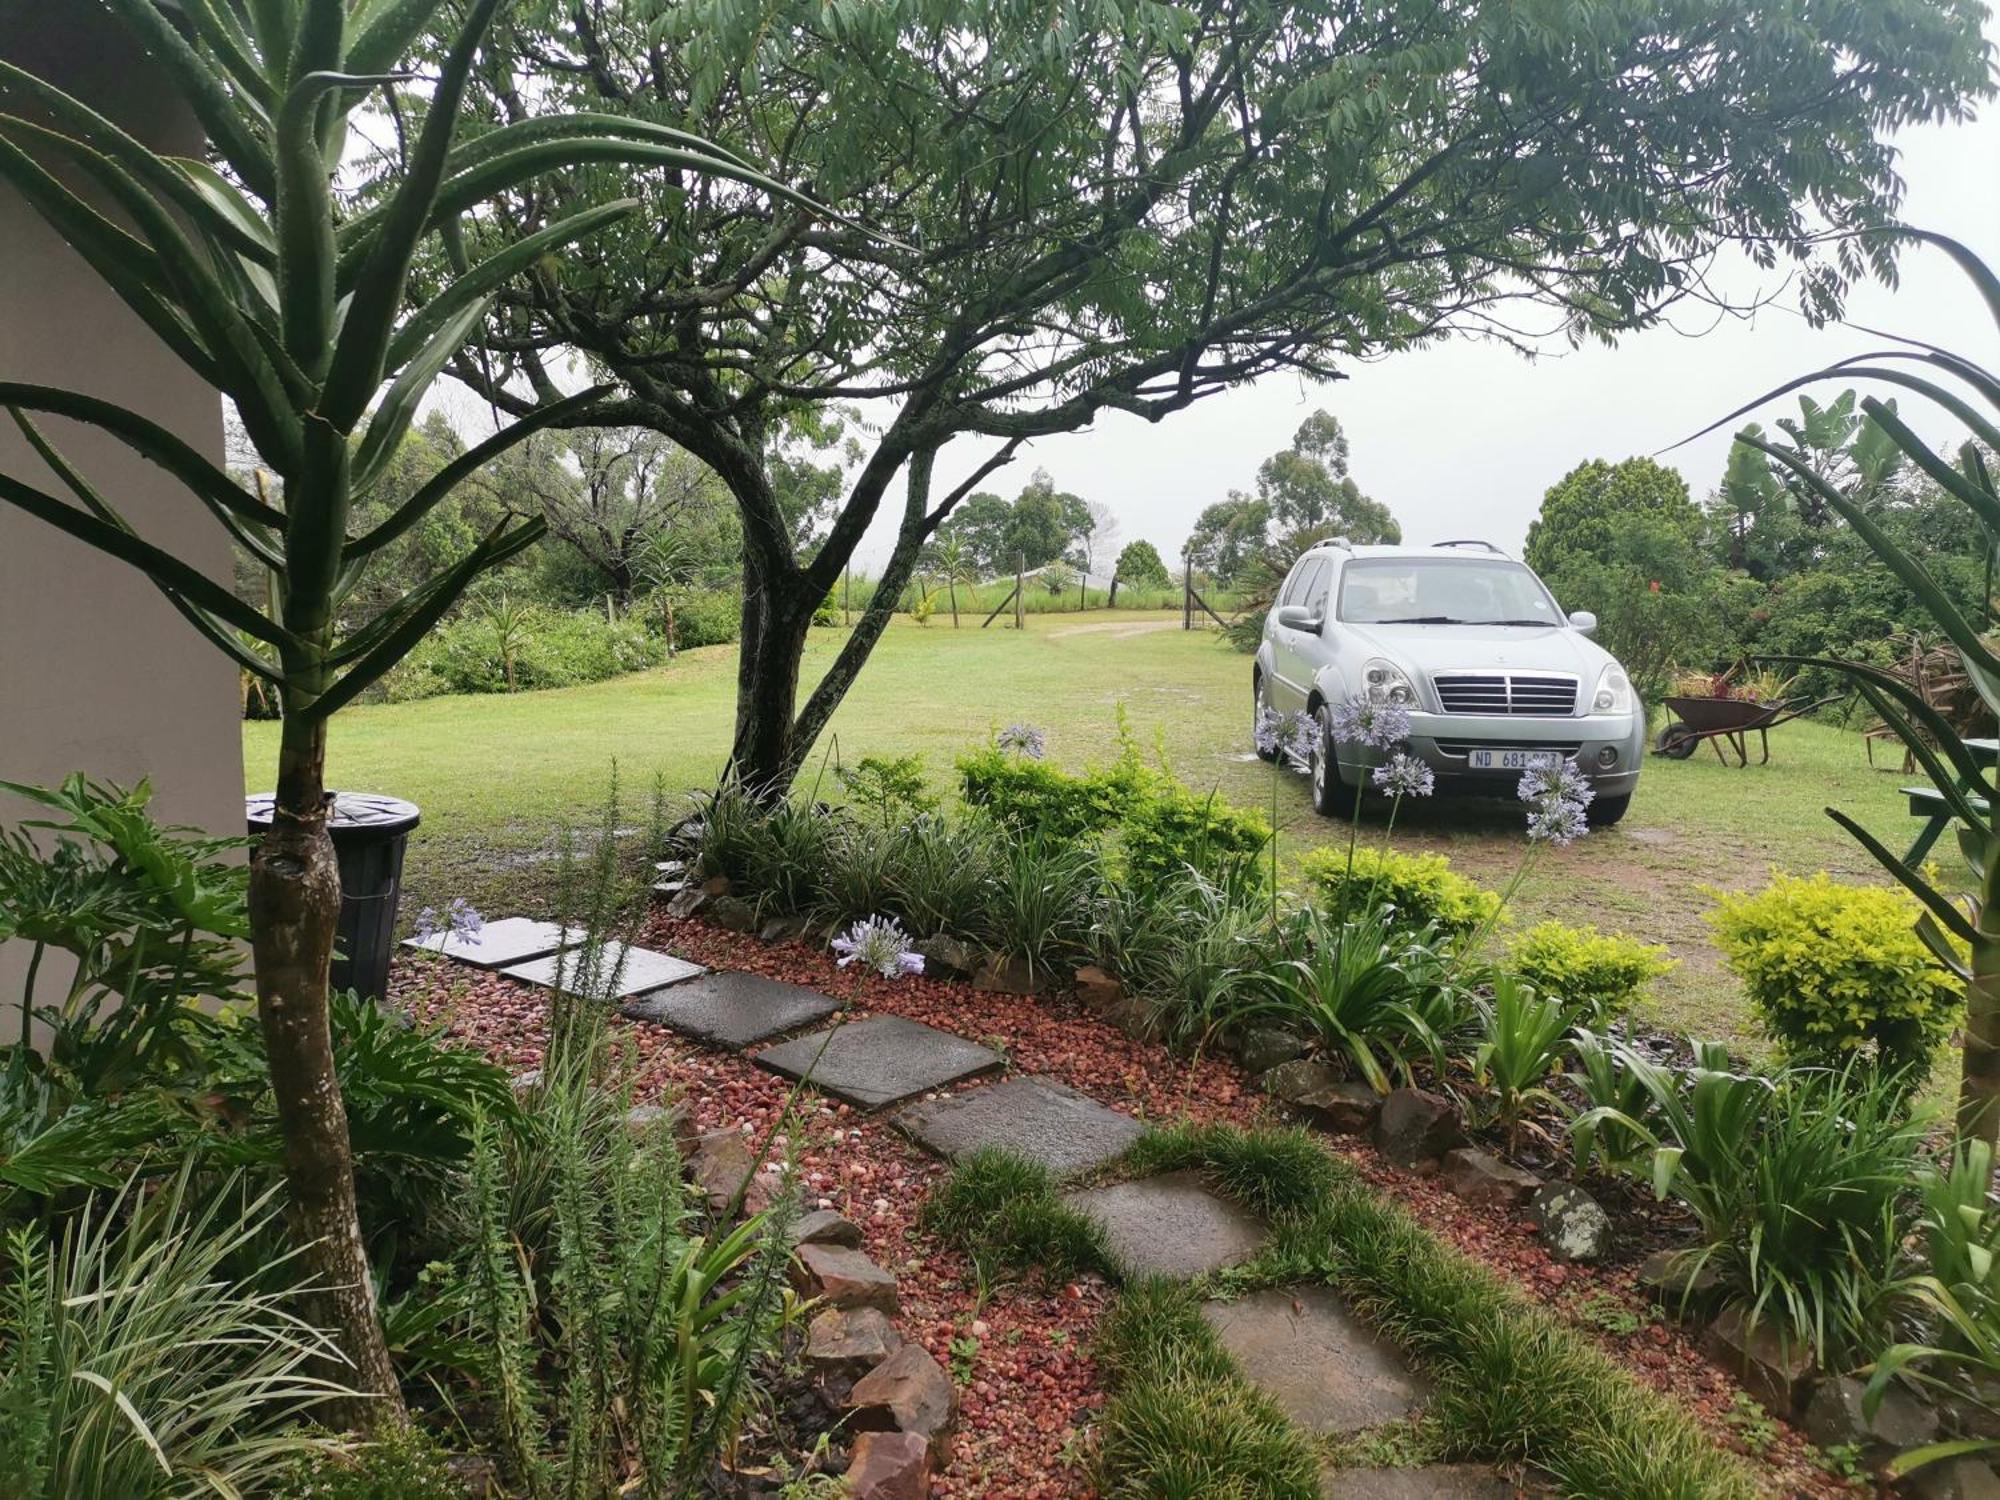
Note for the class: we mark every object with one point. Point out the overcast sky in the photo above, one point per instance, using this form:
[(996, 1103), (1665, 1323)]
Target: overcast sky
[(1463, 439)]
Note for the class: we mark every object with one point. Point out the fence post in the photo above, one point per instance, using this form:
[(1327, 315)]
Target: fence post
[(1187, 598), (1020, 599)]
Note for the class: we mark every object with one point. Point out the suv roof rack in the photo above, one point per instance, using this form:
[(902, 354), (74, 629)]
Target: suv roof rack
[(1471, 541)]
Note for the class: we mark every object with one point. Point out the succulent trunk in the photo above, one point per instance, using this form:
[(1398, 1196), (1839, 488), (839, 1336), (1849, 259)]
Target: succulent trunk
[(1979, 1082)]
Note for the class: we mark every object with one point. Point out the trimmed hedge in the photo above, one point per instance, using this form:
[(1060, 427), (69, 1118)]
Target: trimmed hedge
[(1596, 975), (1419, 888)]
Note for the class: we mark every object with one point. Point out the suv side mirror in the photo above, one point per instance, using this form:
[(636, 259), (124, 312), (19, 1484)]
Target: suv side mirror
[(1583, 620), (1298, 617)]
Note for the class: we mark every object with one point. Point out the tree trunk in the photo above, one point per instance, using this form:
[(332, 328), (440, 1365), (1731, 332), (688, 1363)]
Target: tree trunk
[(777, 616), (951, 588), (1979, 1080), (294, 912)]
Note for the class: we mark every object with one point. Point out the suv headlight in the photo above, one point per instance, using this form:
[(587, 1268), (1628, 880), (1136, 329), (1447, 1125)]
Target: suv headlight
[(1614, 692), (1385, 682)]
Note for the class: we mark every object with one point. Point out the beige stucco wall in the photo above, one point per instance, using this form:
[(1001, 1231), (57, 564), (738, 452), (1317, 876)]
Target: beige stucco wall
[(97, 672)]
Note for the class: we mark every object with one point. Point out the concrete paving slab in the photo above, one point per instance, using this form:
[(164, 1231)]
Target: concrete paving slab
[(1428, 1482), (880, 1061), (511, 940), (1038, 1118), (642, 970), (732, 1010), (1170, 1225), (1302, 1347)]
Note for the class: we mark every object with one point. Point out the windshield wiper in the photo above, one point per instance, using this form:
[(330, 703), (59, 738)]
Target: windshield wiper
[(1423, 620), (1517, 622)]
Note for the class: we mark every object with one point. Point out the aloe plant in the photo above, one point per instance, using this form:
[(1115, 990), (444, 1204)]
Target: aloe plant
[(1966, 938), (252, 270)]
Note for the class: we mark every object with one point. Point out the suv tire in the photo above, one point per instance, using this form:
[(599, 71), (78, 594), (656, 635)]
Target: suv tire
[(1331, 797), (1608, 810), (1258, 705)]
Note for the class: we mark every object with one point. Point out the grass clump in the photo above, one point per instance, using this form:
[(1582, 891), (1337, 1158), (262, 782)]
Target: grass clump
[(1005, 1213), (1512, 1381), (1182, 1423)]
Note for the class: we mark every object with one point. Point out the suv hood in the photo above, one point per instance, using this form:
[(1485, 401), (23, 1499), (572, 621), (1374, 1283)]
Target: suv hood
[(1519, 648)]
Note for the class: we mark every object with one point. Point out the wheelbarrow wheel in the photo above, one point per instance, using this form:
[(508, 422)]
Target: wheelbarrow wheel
[(1676, 741)]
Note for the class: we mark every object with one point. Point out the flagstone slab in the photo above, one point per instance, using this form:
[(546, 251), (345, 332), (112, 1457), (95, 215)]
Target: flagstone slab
[(1067, 1132), (511, 940), (1302, 1348), (880, 1061), (1170, 1225), (732, 1010), (1427, 1482), (642, 970)]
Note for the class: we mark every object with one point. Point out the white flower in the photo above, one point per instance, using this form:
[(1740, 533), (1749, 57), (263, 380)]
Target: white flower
[(1403, 775), (1025, 738), (1559, 783), (1381, 726), (459, 920), (1289, 735), (879, 943), (1558, 821)]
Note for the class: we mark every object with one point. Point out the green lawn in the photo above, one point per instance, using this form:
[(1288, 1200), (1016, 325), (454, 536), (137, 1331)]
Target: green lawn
[(496, 775)]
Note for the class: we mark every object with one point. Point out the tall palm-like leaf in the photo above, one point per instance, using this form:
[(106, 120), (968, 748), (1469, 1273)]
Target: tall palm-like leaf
[(252, 273), (1965, 390)]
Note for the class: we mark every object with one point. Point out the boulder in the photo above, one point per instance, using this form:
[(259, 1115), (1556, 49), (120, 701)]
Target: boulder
[(1677, 1281), (1481, 1177), (907, 1392), (1138, 1019), (1416, 1125), (1573, 1226), (1331, 1102), (642, 1120), (666, 890), (477, 1475), (1964, 1478), (1097, 988), (889, 1466), (526, 1085), (1263, 1048), (782, 929), (1777, 1371), (947, 957), (717, 885), (670, 869), (1008, 976), (1834, 1418), (688, 902), (843, 1277), (850, 1340), (719, 1165), (732, 914), (825, 1227)]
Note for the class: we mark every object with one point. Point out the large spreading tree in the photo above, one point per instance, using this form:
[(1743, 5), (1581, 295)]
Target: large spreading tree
[(1129, 206)]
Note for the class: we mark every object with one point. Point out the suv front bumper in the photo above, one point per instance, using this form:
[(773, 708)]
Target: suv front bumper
[(1607, 748)]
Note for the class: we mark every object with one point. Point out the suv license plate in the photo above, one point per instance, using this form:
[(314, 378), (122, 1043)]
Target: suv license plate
[(1513, 760)]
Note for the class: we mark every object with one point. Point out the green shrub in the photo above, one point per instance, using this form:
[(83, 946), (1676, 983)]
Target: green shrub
[(891, 788), (1168, 828), (547, 647), (1419, 888), (1835, 969), (1006, 1214), (1189, 947), (1033, 798), (1596, 975), (402, 1464), (708, 617)]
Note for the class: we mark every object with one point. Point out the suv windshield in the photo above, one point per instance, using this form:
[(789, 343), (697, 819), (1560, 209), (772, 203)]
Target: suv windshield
[(1443, 591)]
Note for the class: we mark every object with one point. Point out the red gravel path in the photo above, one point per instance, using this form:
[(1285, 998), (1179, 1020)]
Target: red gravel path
[(1028, 1384)]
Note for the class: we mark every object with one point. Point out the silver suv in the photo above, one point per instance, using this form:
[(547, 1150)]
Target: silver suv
[(1496, 678)]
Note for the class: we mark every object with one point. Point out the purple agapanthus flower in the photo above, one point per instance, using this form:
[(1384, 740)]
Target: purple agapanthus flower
[(1403, 775), (1025, 738), (1562, 782), (1558, 821), (879, 943), (1289, 735), (1380, 726), (460, 921)]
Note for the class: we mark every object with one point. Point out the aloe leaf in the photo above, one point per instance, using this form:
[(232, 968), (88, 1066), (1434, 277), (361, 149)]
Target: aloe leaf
[(398, 408), (1942, 735), (223, 34), (1948, 916), (196, 81), (1947, 785), (383, 32)]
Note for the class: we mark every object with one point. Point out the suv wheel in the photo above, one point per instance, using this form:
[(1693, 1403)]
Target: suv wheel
[(1608, 810), (1332, 797), (1260, 705)]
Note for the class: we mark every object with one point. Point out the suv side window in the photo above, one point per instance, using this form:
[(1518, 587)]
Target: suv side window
[(1316, 591), (1307, 583), (1295, 584)]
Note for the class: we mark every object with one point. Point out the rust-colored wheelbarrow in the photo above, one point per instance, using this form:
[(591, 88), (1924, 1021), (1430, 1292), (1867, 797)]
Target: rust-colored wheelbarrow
[(1731, 719)]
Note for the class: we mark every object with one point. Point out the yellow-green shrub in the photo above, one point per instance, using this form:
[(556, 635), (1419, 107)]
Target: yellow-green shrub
[(1837, 969), (1596, 975), (1420, 887)]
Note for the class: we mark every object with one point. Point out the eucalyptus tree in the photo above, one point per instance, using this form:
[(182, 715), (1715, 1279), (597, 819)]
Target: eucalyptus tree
[(256, 272), (1129, 205)]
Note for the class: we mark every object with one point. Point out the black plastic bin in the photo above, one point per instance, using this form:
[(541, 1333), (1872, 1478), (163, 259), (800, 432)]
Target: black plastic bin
[(369, 836)]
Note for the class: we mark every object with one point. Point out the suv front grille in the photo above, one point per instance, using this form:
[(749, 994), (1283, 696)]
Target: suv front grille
[(1459, 748), (1506, 693)]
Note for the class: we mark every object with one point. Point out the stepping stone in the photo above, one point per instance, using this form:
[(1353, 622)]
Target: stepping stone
[(1170, 1225), (732, 1010), (1430, 1482), (1302, 1348), (880, 1061), (511, 940), (643, 970), (1039, 1119)]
